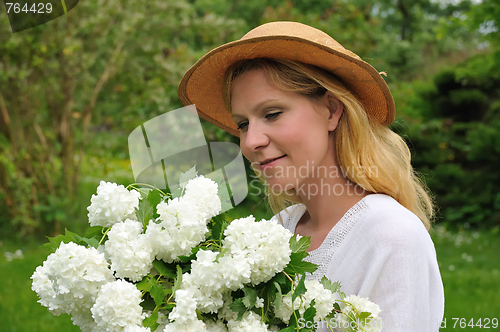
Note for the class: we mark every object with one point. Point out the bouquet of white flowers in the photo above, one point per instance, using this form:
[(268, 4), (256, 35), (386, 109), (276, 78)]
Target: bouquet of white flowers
[(154, 262)]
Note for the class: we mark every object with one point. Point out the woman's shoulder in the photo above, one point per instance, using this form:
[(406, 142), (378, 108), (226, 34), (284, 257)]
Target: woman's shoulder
[(289, 216), (386, 220)]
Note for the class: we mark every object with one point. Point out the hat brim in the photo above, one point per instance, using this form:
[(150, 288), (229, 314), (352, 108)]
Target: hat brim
[(202, 83)]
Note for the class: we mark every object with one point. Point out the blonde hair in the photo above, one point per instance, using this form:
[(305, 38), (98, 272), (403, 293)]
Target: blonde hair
[(370, 154)]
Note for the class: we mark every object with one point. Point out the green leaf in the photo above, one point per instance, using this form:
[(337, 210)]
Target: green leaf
[(185, 259), (220, 224), (157, 291), (154, 198), (164, 269), (363, 316), (298, 266), (225, 199), (178, 280), (300, 245), (94, 231), (279, 296), (310, 313), (185, 177), (287, 329), (55, 242), (148, 304), (239, 307), (250, 297), (151, 321), (144, 284), (300, 289), (144, 212), (327, 284), (91, 242)]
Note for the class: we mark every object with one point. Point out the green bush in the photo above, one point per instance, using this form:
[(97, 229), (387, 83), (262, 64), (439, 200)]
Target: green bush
[(456, 143)]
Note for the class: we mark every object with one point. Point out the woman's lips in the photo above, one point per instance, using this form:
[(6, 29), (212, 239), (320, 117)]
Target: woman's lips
[(271, 162)]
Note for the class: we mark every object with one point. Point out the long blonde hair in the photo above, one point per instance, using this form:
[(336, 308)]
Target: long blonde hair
[(370, 154)]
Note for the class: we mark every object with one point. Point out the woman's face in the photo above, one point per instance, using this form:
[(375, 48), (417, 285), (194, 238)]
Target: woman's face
[(283, 134)]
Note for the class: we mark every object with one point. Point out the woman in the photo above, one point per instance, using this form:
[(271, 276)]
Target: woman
[(312, 119)]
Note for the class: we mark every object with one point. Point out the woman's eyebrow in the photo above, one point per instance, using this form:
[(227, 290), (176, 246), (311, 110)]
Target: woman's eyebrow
[(254, 109)]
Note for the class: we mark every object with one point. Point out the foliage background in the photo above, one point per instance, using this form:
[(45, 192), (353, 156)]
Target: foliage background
[(72, 90)]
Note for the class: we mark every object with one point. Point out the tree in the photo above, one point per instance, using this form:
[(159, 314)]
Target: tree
[(55, 79)]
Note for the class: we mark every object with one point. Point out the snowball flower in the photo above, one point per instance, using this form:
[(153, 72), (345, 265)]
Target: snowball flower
[(70, 279), (323, 299), (359, 305), (112, 204), (217, 326), (129, 250), (136, 328), (250, 322), (202, 193), (264, 244), (118, 306), (183, 220), (83, 319)]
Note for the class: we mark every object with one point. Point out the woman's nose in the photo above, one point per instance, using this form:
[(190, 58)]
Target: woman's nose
[(255, 137)]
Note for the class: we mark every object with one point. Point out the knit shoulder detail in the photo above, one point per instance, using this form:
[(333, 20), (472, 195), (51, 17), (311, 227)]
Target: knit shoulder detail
[(324, 253)]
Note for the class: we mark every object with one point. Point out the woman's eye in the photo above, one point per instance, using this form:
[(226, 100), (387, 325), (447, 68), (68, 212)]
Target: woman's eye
[(272, 116), (243, 125)]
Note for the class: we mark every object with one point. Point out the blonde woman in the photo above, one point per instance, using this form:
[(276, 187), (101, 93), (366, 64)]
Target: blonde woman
[(312, 119)]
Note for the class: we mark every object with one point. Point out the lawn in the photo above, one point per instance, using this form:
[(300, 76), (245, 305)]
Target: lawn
[(469, 263)]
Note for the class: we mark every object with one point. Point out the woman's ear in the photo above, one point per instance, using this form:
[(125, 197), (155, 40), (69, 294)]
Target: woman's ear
[(336, 108)]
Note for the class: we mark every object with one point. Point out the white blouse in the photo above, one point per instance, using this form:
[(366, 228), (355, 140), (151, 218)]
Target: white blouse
[(381, 250)]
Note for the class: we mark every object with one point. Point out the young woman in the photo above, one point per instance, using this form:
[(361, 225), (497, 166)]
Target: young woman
[(312, 119)]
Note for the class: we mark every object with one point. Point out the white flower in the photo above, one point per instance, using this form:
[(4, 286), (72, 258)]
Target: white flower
[(217, 326), (83, 319), (286, 309), (264, 244), (183, 220), (191, 326), (129, 250), (373, 324), (324, 299), (250, 322), (259, 303), (112, 204), (136, 328), (185, 309), (118, 306), (70, 278), (202, 193)]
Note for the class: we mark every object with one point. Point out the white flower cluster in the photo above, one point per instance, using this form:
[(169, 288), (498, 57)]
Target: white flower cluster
[(183, 220), (113, 203), (324, 301), (70, 279), (358, 305), (80, 281), (253, 252), (130, 251), (119, 297), (96, 286)]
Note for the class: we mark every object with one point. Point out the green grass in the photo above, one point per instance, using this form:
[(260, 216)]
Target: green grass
[(19, 310), (470, 268), (471, 284)]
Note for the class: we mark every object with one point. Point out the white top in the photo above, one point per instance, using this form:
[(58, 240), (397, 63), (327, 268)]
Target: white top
[(381, 250)]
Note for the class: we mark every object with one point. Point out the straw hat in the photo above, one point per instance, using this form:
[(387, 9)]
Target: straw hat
[(202, 83)]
